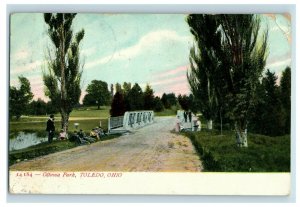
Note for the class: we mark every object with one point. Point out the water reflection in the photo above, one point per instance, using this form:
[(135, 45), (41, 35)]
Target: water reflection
[(24, 140)]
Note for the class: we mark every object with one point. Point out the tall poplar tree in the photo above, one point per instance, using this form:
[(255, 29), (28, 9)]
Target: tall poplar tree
[(244, 52), (63, 78), (226, 65), (204, 63)]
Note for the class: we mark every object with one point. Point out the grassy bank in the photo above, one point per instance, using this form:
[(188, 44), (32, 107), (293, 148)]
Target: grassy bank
[(87, 118), (45, 149), (263, 154)]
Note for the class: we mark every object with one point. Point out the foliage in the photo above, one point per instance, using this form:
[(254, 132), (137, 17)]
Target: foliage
[(226, 66), (119, 88), (117, 105), (97, 94), (204, 62), (169, 100), (63, 78), (158, 105), (134, 99), (285, 92), (19, 98), (188, 103), (272, 116), (149, 101), (126, 88), (38, 107), (244, 56), (264, 154)]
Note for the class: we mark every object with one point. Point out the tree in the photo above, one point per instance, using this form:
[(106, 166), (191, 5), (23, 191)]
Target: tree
[(51, 108), (184, 102), (204, 63), (243, 56), (158, 105), (169, 100), (165, 101), (226, 65), (63, 78), (97, 94), (119, 88), (112, 91), (285, 88), (117, 105), (126, 87), (149, 98), (19, 98), (134, 99), (273, 116), (38, 107)]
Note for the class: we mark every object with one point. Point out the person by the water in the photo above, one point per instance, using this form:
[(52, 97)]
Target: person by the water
[(50, 128)]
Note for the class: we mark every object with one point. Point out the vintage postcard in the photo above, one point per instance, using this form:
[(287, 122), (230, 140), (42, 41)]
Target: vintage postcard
[(176, 104)]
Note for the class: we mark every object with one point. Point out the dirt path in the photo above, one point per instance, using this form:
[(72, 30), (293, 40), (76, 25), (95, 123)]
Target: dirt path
[(152, 148)]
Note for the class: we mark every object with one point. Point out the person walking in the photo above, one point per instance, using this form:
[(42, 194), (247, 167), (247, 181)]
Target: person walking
[(50, 128)]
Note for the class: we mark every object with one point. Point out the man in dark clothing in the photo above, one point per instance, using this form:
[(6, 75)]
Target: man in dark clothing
[(185, 116), (50, 128), (190, 116)]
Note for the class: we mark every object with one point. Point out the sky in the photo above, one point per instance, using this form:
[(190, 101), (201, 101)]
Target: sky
[(136, 48)]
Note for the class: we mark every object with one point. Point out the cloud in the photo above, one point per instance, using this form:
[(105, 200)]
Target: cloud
[(146, 43), (279, 63), (20, 55), (88, 51), (171, 73), (175, 87), (26, 67)]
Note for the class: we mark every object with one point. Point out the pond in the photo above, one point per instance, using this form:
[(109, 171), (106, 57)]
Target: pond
[(24, 140)]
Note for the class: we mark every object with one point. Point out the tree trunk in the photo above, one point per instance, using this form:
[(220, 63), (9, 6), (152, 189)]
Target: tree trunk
[(221, 121), (241, 136), (209, 124), (63, 104), (64, 121)]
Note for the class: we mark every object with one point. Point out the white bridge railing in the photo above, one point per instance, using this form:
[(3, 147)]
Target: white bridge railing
[(130, 120)]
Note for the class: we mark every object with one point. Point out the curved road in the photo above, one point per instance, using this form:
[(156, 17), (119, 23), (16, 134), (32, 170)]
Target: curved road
[(152, 148)]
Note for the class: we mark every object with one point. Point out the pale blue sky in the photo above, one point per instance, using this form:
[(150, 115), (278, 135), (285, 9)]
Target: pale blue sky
[(142, 48)]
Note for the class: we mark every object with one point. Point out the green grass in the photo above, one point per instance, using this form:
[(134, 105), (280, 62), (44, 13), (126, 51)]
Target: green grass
[(263, 154), (103, 112), (39, 150), (46, 148), (92, 118), (167, 112)]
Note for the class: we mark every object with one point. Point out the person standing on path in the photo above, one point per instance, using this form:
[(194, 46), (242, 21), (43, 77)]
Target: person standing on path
[(185, 116), (50, 128), (190, 116)]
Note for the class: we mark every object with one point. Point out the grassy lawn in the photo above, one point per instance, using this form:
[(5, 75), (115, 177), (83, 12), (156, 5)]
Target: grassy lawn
[(167, 112), (103, 112), (87, 118), (220, 153)]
